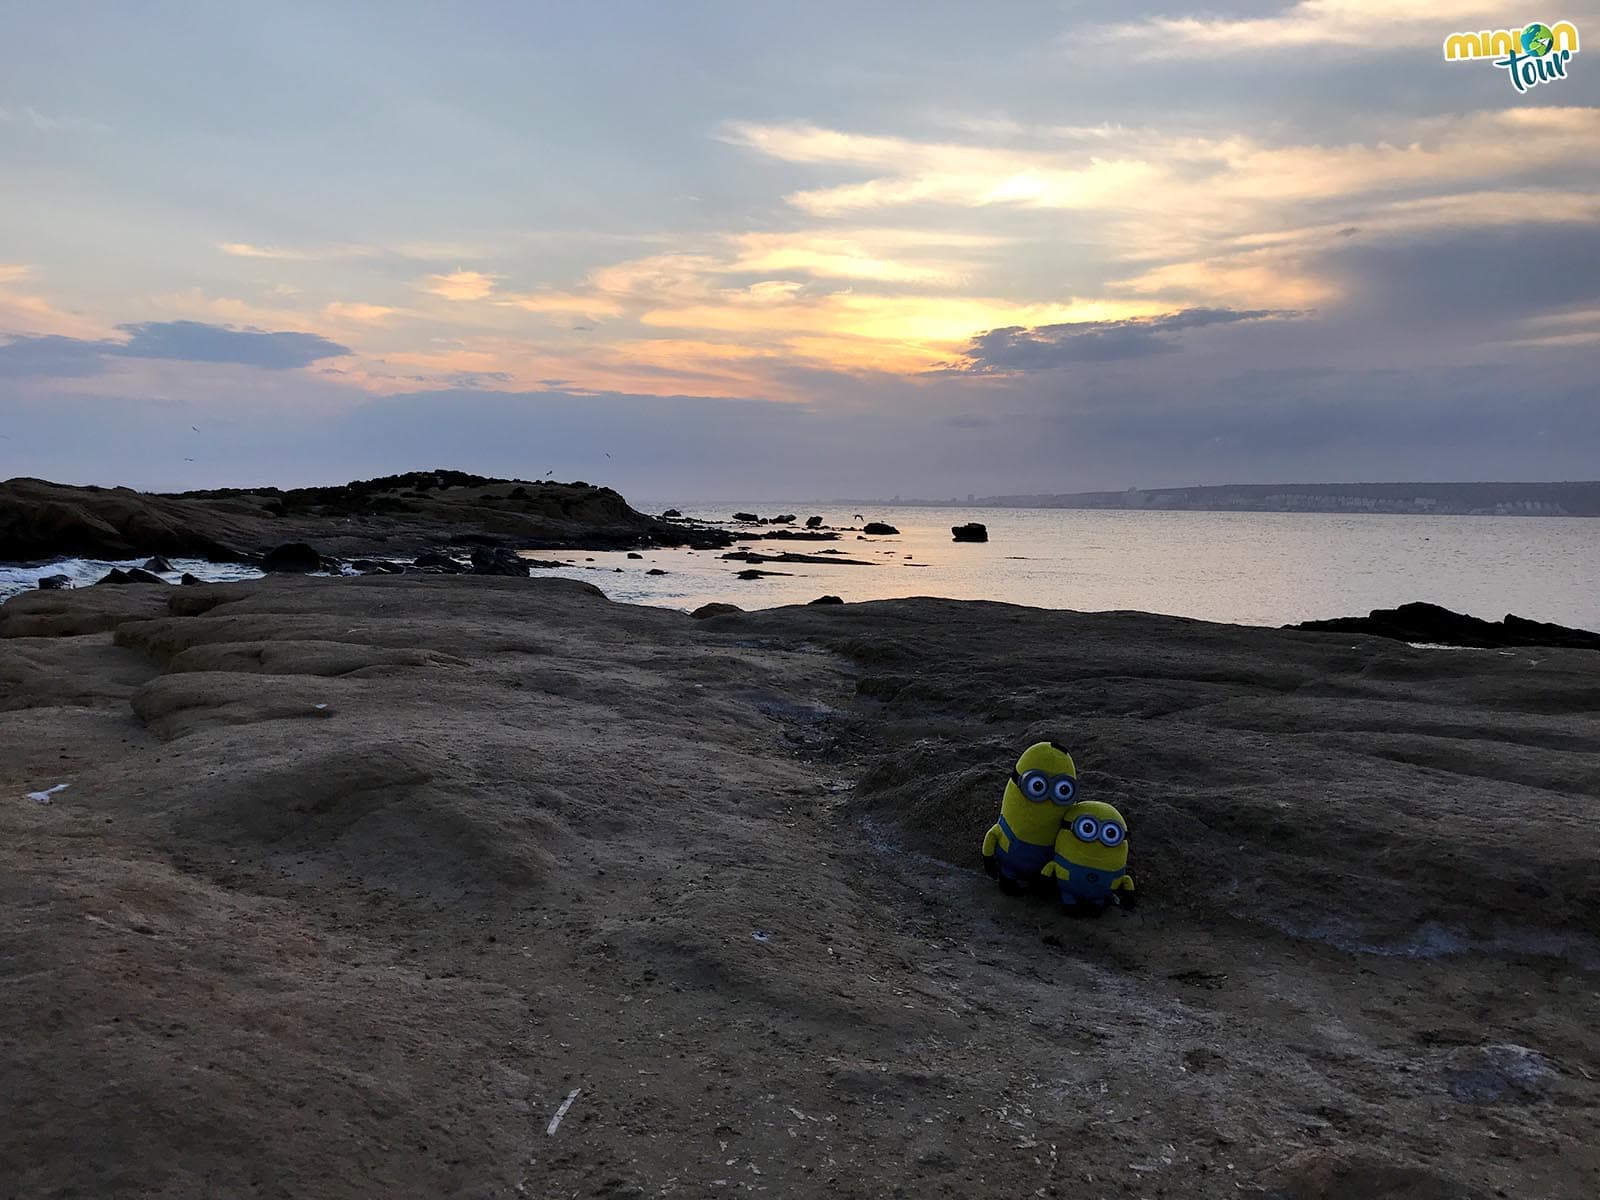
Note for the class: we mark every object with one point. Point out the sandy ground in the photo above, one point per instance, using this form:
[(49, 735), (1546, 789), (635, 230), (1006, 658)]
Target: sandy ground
[(355, 882)]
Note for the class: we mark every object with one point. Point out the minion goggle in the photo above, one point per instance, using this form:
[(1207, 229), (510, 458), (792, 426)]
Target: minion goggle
[(1039, 787), (1092, 829)]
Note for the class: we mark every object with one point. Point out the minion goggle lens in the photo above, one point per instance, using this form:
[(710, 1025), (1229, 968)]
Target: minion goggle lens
[(1039, 787)]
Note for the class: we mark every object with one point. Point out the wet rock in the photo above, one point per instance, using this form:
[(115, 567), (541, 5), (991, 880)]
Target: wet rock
[(671, 512), (655, 571), (435, 560), (714, 610), (827, 600), (1429, 623), (752, 573), (878, 528), (292, 558), (783, 519), (972, 531), (789, 556), (52, 583), (499, 561), (749, 518), (189, 580), (158, 564), (132, 575), (813, 522), (634, 554)]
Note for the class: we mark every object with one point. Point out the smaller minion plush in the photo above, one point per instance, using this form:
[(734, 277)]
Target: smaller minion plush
[(1040, 788), (1090, 865)]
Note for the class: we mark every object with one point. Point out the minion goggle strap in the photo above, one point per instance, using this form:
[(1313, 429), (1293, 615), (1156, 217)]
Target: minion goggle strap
[(1039, 787)]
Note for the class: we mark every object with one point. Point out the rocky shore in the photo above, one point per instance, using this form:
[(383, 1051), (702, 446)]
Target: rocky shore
[(346, 887), (398, 516)]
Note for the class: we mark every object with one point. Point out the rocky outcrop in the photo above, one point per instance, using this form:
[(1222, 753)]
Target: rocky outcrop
[(499, 561), (879, 529), (972, 531), (131, 575), (292, 558), (813, 522), (715, 610), (1433, 625), (392, 516)]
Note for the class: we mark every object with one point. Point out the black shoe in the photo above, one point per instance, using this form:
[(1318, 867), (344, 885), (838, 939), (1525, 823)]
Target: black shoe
[(1010, 886), (991, 866)]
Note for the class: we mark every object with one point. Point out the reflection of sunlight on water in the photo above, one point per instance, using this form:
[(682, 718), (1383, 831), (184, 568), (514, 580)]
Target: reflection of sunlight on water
[(1248, 568)]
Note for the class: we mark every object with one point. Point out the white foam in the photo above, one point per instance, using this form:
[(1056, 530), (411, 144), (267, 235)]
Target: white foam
[(16, 578)]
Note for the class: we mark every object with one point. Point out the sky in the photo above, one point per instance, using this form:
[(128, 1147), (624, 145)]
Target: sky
[(709, 249)]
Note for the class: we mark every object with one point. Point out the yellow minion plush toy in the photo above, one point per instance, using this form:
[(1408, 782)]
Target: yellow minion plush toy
[(1042, 787), (1090, 864)]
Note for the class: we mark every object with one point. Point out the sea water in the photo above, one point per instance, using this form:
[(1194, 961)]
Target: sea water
[(1244, 568)]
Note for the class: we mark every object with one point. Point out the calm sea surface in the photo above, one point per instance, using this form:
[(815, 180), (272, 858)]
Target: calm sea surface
[(1247, 568)]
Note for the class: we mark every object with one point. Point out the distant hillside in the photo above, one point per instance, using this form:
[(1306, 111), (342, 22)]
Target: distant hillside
[(1580, 499)]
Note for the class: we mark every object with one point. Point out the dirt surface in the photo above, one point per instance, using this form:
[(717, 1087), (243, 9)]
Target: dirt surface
[(355, 882)]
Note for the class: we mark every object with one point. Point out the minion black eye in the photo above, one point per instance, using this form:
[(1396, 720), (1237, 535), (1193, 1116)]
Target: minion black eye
[(1087, 829), (1035, 786), (1111, 834), (1063, 790)]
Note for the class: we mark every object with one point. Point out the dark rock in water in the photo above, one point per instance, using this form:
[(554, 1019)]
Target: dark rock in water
[(783, 519), (799, 535), (655, 571), (813, 522), (878, 528), (438, 561), (671, 512), (634, 554), (189, 580), (499, 561), (158, 564), (972, 531), (1418, 622), (789, 556), (753, 573), (547, 563), (751, 518), (827, 600), (52, 583), (714, 610), (292, 558), (131, 575)]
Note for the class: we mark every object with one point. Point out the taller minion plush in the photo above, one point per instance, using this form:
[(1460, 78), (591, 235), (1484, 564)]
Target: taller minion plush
[(1041, 788)]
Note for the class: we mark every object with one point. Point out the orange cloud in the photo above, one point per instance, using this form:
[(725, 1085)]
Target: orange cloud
[(459, 285)]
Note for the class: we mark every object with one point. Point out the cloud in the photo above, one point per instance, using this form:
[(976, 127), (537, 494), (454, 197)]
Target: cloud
[(1013, 349), (180, 341), (288, 254), (48, 122), (459, 285), (354, 310), (1371, 26)]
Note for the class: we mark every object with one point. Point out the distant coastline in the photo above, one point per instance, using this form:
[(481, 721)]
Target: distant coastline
[(1573, 499)]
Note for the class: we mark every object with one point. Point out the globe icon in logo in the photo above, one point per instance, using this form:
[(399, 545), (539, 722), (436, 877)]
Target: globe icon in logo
[(1537, 39)]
